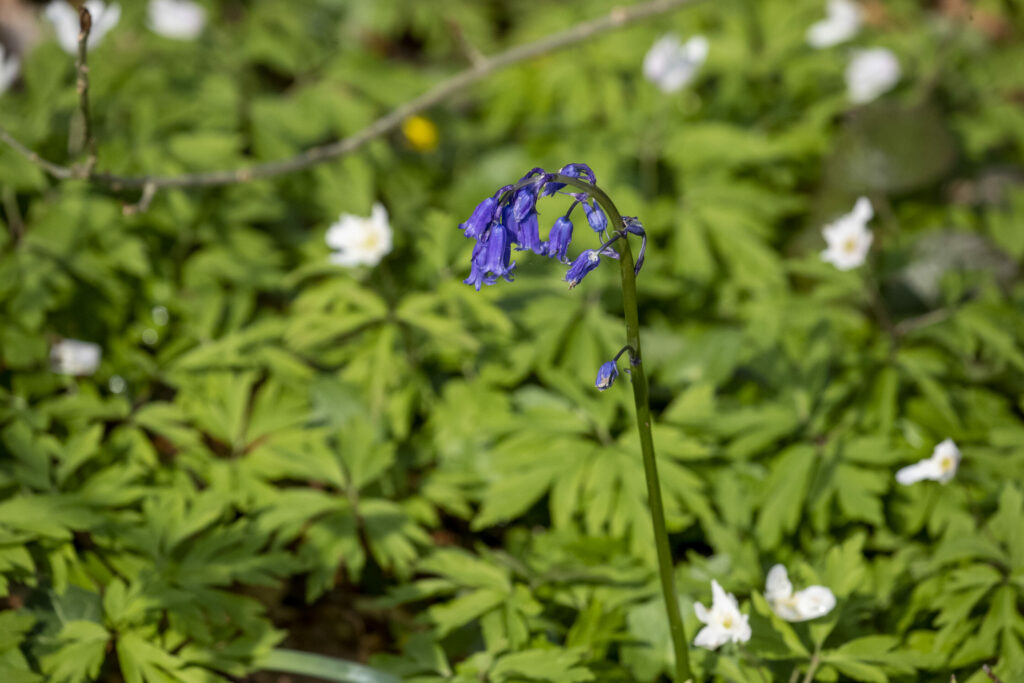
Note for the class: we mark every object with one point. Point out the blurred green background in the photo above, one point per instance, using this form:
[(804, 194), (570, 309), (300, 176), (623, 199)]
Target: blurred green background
[(379, 464)]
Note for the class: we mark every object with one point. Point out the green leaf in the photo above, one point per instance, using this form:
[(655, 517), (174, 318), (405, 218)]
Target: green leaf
[(322, 667)]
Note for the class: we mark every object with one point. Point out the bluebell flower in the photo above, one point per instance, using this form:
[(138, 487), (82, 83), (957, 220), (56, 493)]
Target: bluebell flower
[(477, 273), (583, 264), (508, 219), (595, 216), (482, 216), (606, 375), (529, 234), (498, 252), (524, 201), (559, 238)]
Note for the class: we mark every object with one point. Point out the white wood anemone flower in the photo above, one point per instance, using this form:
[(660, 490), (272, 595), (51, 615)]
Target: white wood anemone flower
[(671, 64), (940, 467), (842, 22), (810, 603), (75, 357), (848, 237), (65, 22), (177, 19), (358, 240), (9, 68), (871, 73), (724, 621)]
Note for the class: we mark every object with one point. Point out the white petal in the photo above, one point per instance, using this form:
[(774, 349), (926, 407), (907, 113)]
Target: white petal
[(871, 73), (946, 459), (659, 56), (813, 602), (924, 469), (9, 67), (177, 19), (711, 637), (65, 24), (104, 19), (741, 630), (720, 600), (862, 210), (74, 357), (777, 586), (696, 49), (841, 23), (786, 609), (702, 612), (670, 64)]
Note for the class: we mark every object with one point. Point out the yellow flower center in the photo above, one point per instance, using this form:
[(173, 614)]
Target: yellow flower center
[(370, 241), (420, 132), (946, 463), (727, 622), (850, 245)]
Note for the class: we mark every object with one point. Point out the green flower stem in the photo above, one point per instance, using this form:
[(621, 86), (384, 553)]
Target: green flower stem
[(643, 423)]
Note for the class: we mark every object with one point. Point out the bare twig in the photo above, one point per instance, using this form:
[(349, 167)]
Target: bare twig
[(617, 18), (15, 223), (471, 52), (924, 320), (56, 170), (988, 672), (82, 136), (148, 192)]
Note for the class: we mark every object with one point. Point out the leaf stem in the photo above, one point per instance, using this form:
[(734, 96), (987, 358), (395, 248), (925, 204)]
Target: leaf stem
[(643, 423), (812, 668)]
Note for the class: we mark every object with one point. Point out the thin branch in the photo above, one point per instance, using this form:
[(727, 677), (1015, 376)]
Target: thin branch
[(15, 223), (473, 55), (617, 18), (988, 671), (82, 138), (148, 192), (903, 327), (56, 170)]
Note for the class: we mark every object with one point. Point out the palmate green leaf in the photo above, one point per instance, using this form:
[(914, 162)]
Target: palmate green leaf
[(465, 608), (49, 516), (466, 570), (143, 662), (557, 666), (82, 649), (784, 494), (322, 667)]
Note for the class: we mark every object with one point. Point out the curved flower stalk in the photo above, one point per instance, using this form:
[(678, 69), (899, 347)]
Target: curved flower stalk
[(508, 219)]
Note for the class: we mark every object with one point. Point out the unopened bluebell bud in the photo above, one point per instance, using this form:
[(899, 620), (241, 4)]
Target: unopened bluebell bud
[(595, 216), (606, 375), (634, 227)]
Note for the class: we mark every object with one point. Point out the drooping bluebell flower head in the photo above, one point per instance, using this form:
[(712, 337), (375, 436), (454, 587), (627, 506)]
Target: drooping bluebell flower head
[(606, 375), (510, 219), (583, 264)]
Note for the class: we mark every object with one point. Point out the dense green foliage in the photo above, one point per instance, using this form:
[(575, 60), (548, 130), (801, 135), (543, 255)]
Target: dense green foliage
[(440, 456)]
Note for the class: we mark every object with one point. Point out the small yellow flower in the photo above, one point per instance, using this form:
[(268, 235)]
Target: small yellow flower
[(421, 133)]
